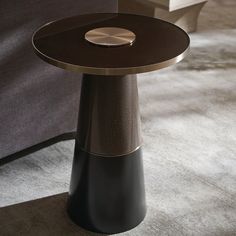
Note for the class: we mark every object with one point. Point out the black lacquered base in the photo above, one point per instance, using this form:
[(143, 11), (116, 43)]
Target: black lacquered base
[(107, 193)]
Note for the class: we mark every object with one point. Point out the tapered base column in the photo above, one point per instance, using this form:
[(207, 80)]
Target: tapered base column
[(107, 192)]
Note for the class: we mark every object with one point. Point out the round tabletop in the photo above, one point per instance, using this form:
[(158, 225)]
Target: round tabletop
[(89, 44)]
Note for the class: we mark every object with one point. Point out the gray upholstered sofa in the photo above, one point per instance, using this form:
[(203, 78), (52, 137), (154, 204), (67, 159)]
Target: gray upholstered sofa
[(37, 101)]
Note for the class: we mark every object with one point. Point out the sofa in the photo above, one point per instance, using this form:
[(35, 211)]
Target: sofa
[(38, 102)]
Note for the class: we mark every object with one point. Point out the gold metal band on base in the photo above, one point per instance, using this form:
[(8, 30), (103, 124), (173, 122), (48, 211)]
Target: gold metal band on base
[(114, 155)]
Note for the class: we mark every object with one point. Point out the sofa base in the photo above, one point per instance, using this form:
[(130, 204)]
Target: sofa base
[(37, 147), (186, 18)]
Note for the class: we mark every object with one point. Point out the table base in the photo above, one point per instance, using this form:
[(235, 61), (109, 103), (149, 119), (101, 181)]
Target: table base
[(107, 193)]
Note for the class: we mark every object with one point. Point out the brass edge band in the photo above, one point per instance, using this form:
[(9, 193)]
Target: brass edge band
[(112, 71), (109, 71), (110, 155)]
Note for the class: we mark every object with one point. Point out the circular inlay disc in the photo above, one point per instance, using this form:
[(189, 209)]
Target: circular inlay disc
[(110, 36)]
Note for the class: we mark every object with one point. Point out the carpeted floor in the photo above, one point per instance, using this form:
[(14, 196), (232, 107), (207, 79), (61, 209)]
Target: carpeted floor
[(189, 131)]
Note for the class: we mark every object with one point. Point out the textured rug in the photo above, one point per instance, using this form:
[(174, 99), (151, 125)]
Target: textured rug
[(189, 130)]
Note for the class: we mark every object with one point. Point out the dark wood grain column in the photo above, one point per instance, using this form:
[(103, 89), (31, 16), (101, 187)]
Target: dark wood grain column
[(109, 120)]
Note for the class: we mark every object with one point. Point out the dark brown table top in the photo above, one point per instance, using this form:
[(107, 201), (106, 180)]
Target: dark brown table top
[(158, 44)]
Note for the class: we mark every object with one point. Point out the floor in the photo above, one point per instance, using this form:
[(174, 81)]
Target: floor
[(189, 130)]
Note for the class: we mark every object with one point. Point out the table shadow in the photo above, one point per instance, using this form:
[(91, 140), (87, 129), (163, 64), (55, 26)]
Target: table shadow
[(46, 216)]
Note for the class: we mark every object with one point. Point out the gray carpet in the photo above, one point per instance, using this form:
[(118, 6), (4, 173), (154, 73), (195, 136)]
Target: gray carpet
[(189, 131)]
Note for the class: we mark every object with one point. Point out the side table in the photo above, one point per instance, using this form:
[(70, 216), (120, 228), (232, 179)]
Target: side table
[(107, 193)]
